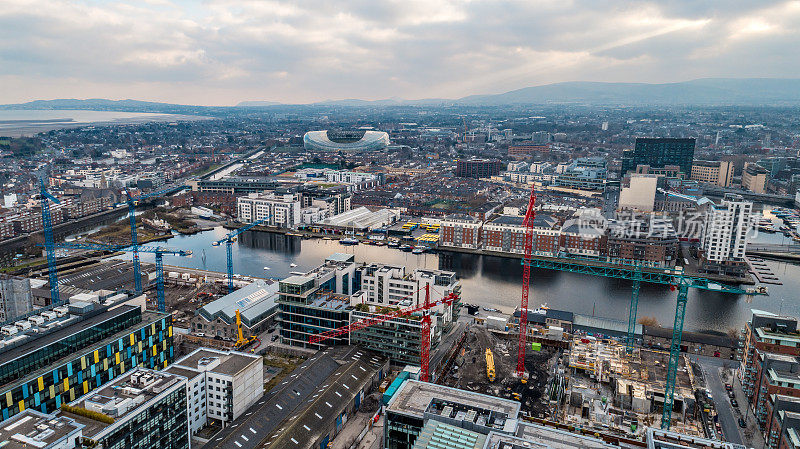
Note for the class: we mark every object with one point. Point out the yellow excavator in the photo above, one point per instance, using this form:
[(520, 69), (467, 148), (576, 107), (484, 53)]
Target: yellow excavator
[(490, 365), (241, 341)]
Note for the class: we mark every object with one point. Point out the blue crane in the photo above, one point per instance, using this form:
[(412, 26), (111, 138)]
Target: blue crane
[(159, 252), (228, 240), (47, 226), (674, 277), (132, 202)]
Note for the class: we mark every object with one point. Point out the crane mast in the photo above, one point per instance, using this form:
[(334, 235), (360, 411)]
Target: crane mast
[(527, 224)]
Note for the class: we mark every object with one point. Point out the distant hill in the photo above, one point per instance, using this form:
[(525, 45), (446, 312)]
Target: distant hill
[(709, 91), (256, 104)]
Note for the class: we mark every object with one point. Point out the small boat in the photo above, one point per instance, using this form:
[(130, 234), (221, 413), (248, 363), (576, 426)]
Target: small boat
[(417, 250), (266, 268), (326, 238), (349, 241), (380, 243), (292, 265), (393, 244), (406, 248)]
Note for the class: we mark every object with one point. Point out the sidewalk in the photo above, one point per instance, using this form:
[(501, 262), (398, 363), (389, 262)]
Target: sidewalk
[(751, 435)]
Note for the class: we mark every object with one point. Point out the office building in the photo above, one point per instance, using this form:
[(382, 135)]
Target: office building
[(754, 178), (586, 173), (221, 385), (317, 301), (32, 429), (477, 168), (718, 173), (527, 149), (460, 231), (15, 297), (256, 303), (234, 185), (76, 352), (142, 409), (385, 287), (726, 232), (660, 152), (414, 403)]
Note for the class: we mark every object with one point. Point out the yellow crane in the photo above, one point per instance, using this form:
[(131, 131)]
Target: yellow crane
[(490, 365), (241, 341)]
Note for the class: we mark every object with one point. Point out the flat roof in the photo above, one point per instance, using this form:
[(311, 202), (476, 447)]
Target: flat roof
[(60, 333), (251, 300), (125, 395), (32, 429), (413, 397), (549, 437), (148, 317), (230, 362)]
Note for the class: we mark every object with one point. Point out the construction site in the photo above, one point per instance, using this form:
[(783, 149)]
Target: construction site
[(471, 371), (612, 391)]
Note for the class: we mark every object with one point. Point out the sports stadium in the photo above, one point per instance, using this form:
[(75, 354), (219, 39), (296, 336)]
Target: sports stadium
[(350, 140)]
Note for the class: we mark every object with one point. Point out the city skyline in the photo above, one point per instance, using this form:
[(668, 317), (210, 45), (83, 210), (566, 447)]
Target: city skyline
[(222, 53)]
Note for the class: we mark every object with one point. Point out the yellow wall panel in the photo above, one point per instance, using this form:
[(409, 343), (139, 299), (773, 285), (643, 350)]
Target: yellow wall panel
[(8, 399), (116, 357), (132, 338), (96, 357), (40, 381), (66, 384), (52, 391), (21, 405)]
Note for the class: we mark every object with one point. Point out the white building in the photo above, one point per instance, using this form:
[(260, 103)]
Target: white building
[(278, 210), (221, 384), (392, 285), (33, 429), (640, 195), (726, 229)]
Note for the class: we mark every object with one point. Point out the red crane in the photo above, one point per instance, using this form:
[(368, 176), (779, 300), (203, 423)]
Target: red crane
[(377, 319), (527, 224)]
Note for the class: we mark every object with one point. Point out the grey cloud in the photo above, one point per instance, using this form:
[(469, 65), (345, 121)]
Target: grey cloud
[(298, 51)]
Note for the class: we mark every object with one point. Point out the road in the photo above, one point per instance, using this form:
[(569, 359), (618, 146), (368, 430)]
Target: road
[(727, 416)]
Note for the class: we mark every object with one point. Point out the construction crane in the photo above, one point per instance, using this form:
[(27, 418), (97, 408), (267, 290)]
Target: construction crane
[(674, 277), (228, 240), (527, 224), (159, 252), (132, 202), (380, 318), (47, 226), (242, 342)]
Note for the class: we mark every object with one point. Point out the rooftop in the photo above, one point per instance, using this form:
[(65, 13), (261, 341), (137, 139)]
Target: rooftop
[(414, 397), (122, 396), (31, 429), (222, 362), (252, 301)]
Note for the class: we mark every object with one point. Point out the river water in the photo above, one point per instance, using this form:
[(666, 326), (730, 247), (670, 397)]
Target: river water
[(495, 281)]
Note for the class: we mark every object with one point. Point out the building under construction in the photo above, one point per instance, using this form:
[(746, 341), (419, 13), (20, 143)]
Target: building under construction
[(610, 390)]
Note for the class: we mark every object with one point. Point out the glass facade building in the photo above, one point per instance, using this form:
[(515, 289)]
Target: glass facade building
[(55, 368), (660, 152)]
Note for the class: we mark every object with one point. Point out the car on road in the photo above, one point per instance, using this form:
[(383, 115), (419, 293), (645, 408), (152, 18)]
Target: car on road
[(271, 330), (742, 423), (728, 387), (734, 403), (731, 394)]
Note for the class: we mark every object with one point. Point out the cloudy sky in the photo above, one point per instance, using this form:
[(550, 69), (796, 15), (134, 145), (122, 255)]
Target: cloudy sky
[(220, 52)]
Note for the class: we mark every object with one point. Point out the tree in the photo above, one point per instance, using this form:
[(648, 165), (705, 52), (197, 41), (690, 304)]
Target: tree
[(648, 321)]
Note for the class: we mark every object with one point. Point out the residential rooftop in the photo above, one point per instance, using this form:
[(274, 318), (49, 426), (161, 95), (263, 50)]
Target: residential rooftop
[(32, 429)]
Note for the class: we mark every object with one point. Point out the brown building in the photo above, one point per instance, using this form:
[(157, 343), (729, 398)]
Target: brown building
[(460, 231), (527, 149), (719, 173), (477, 168)]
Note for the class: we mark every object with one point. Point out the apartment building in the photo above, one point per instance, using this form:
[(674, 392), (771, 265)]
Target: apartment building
[(461, 231), (718, 173), (507, 234), (725, 234), (278, 210), (754, 178), (770, 369)]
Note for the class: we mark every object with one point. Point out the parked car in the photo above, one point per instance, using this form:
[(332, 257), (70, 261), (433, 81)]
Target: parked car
[(734, 403), (731, 394), (729, 387), (742, 423)]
